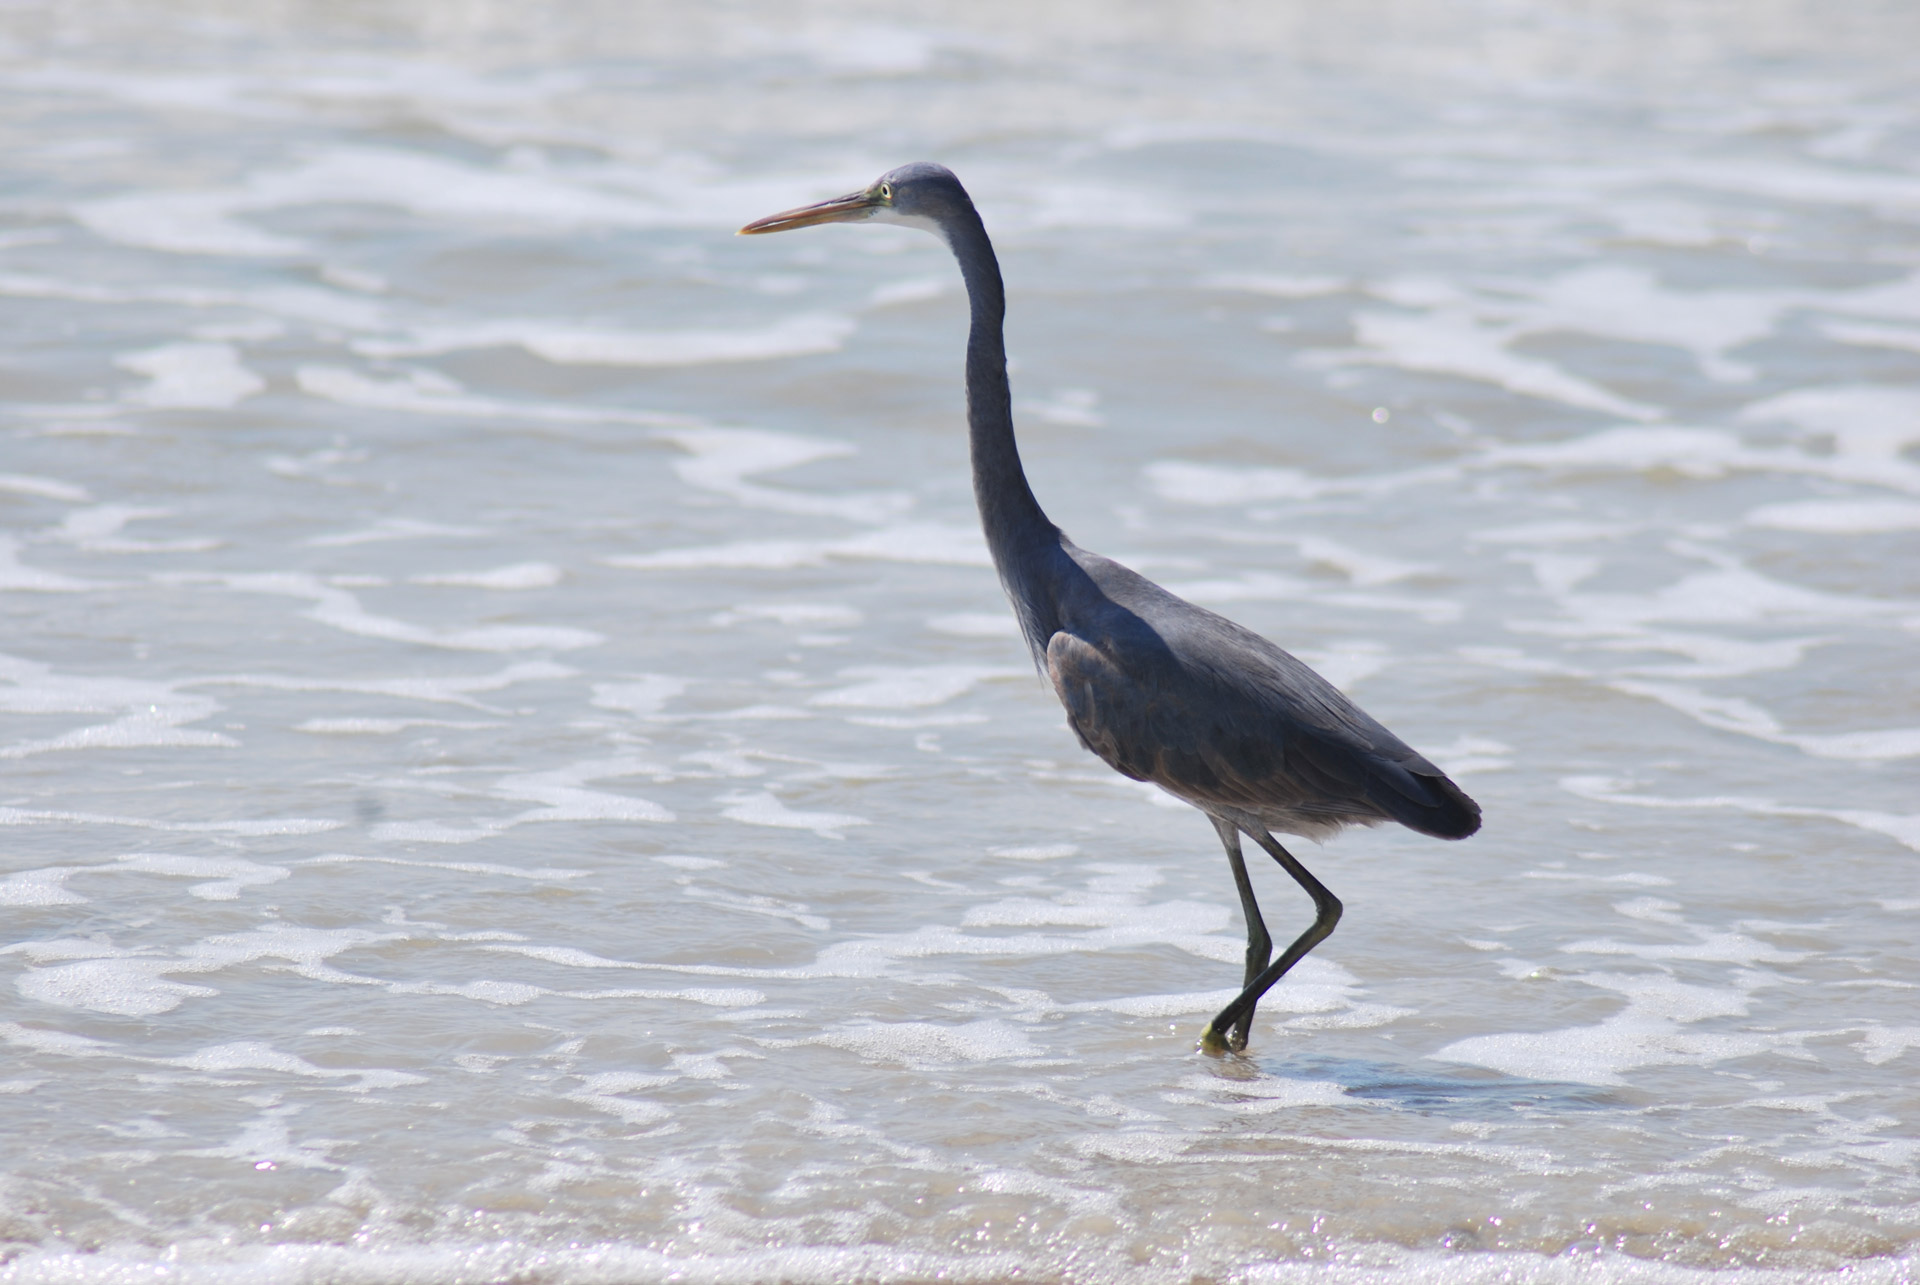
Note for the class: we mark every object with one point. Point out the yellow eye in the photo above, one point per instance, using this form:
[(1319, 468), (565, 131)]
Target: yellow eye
[(886, 191)]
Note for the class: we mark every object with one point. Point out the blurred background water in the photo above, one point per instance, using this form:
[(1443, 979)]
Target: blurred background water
[(516, 767)]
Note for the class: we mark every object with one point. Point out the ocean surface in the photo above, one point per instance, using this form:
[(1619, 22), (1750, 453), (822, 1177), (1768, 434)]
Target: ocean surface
[(514, 765)]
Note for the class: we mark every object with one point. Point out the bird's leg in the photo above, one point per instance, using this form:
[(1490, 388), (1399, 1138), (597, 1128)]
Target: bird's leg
[(1236, 1018), (1259, 944)]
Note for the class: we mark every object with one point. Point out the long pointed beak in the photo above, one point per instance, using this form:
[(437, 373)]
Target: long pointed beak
[(850, 208)]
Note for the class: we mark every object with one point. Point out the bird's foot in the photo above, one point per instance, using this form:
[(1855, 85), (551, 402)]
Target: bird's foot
[(1217, 1043)]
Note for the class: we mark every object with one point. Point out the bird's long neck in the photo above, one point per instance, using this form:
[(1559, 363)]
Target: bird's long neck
[(1016, 529)]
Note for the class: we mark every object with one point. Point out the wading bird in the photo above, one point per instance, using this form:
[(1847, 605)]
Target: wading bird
[(1162, 690)]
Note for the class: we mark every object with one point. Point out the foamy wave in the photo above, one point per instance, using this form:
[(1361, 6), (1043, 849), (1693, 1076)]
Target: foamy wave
[(908, 687), (341, 610), (920, 542), (514, 576), (451, 689), (562, 793), (1902, 829), (1856, 516), (724, 458), (208, 222), (762, 808), (97, 528), (429, 392), (916, 1042), (192, 1262), (213, 1262), (574, 345), (1647, 1032), (1455, 342), (16, 576), (192, 377), (150, 714)]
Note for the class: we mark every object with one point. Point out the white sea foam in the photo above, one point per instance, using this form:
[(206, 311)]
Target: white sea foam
[(1279, 286), (1036, 852), (1073, 407), (757, 904), (386, 529), (1872, 336), (122, 982), (1468, 754), (1059, 204), (207, 222), (1615, 301), (204, 1262), (911, 290), (1647, 1032), (225, 877), (724, 458), (1262, 1096), (828, 615), (1732, 714), (513, 576), (192, 376), (341, 610), (255, 1055), (429, 392), (121, 986), (646, 695), (1730, 592), (1861, 515), (242, 826), (541, 874), (975, 624), (300, 303), (44, 887), (17, 576), (1566, 532), (149, 714), (97, 530), (1866, 423), (908, 687), (562, 794), (44, 488), (1184, 1004), (180, 222), (606, 1092), (1453, 341), (439, 688), (575, 345), (1217, 484), (762, 808), (916, 542), (1901, 828), (916, 1042), (874, 49), (1703, 453)]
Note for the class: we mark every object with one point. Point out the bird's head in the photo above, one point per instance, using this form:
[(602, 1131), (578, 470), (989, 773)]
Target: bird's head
[(921, 195)]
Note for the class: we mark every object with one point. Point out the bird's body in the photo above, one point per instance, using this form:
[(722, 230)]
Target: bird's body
[(1161, 690), (1214, 714)]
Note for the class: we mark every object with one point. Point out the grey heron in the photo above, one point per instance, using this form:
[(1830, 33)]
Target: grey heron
[(1160, 689)]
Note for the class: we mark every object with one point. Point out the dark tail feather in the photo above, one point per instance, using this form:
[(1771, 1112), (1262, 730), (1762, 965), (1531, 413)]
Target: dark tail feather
[(1422, 798)]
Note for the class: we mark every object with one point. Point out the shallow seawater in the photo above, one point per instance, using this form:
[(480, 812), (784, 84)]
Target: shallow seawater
[(517, 767)]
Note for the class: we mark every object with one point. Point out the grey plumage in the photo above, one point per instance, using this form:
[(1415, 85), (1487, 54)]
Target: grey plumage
[(1161, 690)]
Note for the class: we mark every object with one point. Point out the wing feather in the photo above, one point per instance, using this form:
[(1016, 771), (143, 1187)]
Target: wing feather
[(1257, 731)]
